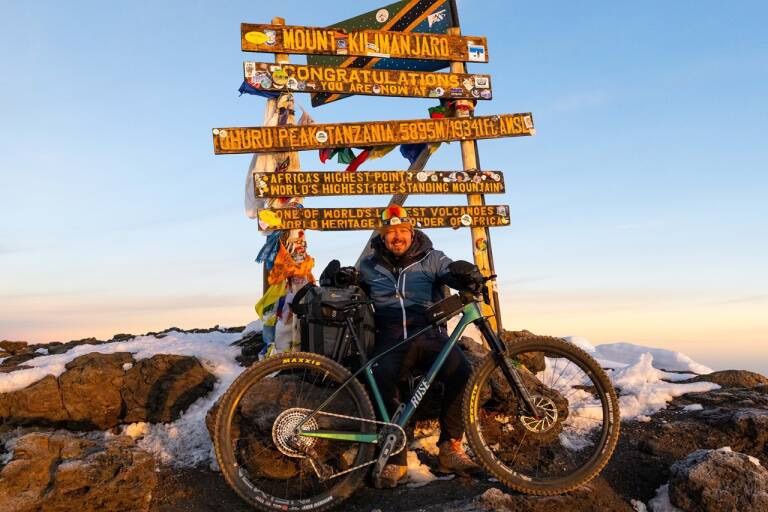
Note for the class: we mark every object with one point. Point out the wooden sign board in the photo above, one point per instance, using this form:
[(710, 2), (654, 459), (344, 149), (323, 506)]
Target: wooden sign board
[(344, 219), (314, 183), (374, 82), (367, 134), (363, 43)]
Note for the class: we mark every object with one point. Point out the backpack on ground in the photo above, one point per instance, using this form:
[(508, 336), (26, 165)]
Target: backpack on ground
[(323, 311)]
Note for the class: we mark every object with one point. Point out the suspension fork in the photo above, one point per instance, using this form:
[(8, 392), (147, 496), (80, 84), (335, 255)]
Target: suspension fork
[(510, 372)]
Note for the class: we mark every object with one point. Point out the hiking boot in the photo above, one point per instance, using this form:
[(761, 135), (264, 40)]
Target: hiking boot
[(392, 475), (453, 459)]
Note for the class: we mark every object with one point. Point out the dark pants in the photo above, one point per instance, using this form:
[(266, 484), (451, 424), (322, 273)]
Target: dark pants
[(419, 354)]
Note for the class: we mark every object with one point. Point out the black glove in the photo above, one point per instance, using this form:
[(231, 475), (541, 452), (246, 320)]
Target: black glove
[(347, 276), (328, 277), (463, 275), (340, 277)]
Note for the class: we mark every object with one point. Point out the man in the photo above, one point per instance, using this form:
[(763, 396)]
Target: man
[(404, 276)]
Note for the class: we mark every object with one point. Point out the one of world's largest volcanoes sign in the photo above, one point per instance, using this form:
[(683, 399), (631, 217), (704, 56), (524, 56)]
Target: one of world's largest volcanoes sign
[(367, 134), (340, 219)]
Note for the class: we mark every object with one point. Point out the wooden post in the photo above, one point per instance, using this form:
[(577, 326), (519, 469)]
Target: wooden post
[(481, 239), (280, 58)]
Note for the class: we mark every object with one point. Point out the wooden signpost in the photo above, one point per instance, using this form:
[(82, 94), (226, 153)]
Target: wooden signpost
[(374, 82), (379, 53), (342, 219), (364, 43), (379, 133), (314, 183)]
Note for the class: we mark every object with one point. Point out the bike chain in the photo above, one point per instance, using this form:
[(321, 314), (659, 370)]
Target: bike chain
[(373, 461)]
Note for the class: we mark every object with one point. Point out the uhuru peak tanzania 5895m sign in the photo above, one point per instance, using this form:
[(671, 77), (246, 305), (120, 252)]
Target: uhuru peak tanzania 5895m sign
[(375, 82), (379, 133), (338, 219), (314, 183)]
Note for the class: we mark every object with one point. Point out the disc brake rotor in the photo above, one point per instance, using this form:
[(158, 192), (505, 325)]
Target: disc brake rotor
[(547, 415)]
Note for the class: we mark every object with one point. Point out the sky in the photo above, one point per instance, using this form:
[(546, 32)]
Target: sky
[(638, 209)]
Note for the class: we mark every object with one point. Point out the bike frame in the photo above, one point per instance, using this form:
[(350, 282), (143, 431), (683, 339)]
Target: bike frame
[(470, 314)]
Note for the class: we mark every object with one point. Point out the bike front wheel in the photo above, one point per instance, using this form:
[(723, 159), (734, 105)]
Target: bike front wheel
[(256, 442), (574, 434)]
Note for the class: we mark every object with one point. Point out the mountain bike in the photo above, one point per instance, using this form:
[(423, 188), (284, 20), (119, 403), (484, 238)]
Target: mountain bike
[(297, 431)]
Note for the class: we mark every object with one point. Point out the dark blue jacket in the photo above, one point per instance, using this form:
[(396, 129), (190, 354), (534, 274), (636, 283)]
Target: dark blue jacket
[(402, 288)]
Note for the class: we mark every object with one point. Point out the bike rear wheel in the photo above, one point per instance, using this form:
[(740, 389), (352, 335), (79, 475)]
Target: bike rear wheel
[(578, 425), (254, 437)]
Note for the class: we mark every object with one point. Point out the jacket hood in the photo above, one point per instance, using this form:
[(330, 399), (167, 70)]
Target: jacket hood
[(419, 247)]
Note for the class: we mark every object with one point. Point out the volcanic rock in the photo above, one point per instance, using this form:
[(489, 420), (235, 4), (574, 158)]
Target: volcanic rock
[(733, 379), (100, 391), (718, 481), (160, 388), (8, 347), (738, 419), (61, 472)]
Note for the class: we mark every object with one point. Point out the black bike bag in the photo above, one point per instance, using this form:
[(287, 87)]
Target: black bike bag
[(443, 310), (322, 312)]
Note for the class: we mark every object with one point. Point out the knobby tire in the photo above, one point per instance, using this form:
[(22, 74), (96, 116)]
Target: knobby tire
[(255, 467), (570, 444)]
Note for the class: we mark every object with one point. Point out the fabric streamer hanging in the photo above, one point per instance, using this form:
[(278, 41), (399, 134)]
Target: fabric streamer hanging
[(247, 88), (285, 267), (269, 250), (267, 303)]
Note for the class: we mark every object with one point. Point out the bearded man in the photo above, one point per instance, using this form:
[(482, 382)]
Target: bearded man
[(404, 276)]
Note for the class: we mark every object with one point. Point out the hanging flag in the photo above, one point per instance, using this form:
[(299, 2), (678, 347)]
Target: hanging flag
[(247, 88), (285, 267), (266, 305), (430, 16), (359, 159)]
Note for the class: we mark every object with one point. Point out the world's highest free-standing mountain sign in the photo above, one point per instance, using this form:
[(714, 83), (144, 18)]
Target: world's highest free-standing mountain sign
[(314, 183), (378, 133)]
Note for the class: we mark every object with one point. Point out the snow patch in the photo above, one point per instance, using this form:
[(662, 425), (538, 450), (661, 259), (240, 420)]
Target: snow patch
[(643, 390), (661, 503), (212, 349), (628, 353), (582, 343), (638, 505), (418, 473), (693, 407)]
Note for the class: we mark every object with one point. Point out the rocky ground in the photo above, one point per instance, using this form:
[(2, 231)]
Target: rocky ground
[(54, 455)]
